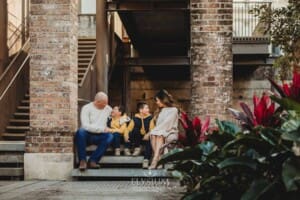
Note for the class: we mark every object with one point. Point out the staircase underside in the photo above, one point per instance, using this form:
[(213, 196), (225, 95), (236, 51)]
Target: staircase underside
[(156, 28)]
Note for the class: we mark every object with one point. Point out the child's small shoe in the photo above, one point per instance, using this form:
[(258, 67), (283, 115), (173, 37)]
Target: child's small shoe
[(145, 164), (117, 152), (127, 152), (137, 151)]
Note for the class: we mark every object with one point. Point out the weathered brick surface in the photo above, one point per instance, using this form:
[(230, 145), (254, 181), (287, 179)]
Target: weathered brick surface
[(211, 57), (249, 81), (53, 75)]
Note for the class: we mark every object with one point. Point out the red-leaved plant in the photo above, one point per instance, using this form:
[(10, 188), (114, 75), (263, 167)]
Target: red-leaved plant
[(262, 115), (195, 130), (291, 90)]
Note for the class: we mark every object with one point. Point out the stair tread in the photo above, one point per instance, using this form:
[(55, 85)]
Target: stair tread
[(86, 50), (121, 173), (12, 146), (121, 160), (86, 46), (19, 120), (12, 158), (21, 113), (18, 171), (23, 107), (15, 135), (18, 127)]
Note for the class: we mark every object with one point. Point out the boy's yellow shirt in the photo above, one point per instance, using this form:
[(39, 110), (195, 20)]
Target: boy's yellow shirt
[(131, 125), (116, 126)]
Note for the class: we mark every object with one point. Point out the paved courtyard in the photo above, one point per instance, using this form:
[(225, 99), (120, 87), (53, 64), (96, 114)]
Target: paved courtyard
[(106, 190)]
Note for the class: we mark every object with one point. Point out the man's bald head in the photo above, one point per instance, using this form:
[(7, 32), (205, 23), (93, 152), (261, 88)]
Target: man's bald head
[(101, 100)]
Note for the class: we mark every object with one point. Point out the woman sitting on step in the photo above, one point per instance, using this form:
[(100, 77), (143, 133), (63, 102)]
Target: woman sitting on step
[(166, 124)]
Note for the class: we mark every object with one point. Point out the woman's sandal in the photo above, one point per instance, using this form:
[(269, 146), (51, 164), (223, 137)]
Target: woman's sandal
[(153, 164)]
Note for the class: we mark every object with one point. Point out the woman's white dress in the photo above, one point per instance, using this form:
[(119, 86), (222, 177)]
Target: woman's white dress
[(167, 122)]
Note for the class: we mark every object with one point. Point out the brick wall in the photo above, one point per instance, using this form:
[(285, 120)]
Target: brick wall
[(53, 76), (211, 57), (250, 80)]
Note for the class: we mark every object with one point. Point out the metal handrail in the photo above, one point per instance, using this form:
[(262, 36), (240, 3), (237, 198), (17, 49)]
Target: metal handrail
[(90, 67), (244, 23), (14, 77), (18, 32), (14, 59), (18, 29)]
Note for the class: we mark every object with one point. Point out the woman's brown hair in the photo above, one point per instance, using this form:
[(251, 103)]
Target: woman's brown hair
[(166, 99)]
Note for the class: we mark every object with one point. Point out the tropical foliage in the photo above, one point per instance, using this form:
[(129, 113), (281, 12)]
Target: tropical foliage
[(194, 130), (258, 160), (283, 26)]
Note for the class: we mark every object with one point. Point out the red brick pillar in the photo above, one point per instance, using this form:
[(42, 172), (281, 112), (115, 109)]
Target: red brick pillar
[(53, 89), (211, 57)]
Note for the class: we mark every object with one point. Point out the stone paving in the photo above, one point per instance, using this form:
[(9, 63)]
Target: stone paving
[(107, 190)]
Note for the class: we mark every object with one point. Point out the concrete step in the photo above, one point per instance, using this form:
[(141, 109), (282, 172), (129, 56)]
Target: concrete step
[(81, 70), (14, 136), (19, 122), (11, 158), (86, 42), (81, 55), (121, 173), (22, 115), (25, 102), (86, 51), (86, 38), (81, 74), (90, 46), (17, 129), (11, 171), (83, 64), (121, 160), (23, 108), (15, 146), (84, 60)]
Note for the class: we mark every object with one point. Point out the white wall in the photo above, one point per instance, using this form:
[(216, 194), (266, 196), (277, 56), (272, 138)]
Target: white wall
[(88, 6)]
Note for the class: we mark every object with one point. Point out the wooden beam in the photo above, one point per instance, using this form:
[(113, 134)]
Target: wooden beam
[(3, 36), (135, 6), (126, 89), (102, 47), (155, 61)]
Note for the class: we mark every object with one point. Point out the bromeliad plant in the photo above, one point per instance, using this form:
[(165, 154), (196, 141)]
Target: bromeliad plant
[(263, 113), (195, 131)]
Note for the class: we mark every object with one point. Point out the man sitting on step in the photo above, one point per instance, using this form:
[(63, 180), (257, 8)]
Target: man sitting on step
[(93, 130)]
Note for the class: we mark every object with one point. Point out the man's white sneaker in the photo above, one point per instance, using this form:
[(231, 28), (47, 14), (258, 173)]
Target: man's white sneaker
[(145, 164), (117, 152)]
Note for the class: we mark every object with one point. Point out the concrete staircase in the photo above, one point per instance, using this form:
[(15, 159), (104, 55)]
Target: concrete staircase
[(119, 168), (12, 160), (19, 123), (14, 136), (86, 48)]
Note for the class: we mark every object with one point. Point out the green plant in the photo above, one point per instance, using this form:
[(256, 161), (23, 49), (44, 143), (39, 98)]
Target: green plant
[(257, 163), (283, 26)]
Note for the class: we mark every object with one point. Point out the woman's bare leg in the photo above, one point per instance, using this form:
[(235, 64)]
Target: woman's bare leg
[(153, 142), (158, 143)]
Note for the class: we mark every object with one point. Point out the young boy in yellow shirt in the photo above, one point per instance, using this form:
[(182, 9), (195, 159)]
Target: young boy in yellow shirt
[(117, 126)]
